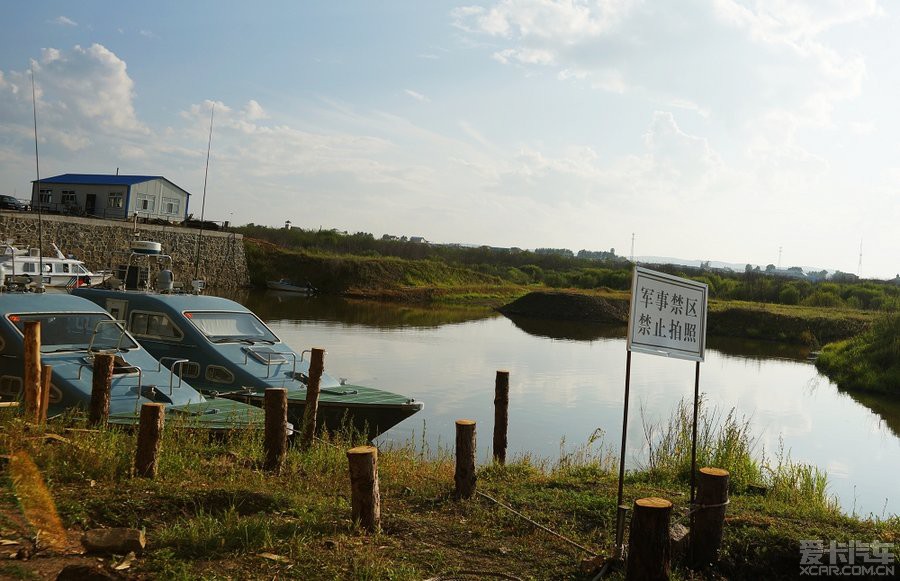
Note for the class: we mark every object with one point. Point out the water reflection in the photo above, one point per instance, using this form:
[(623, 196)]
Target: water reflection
[(275, 305), (567, 380)]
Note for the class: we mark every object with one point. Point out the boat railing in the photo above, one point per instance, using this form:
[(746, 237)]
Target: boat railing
[(304, 352), (269, 360), (175, 362), (121, 325), (140, 388)]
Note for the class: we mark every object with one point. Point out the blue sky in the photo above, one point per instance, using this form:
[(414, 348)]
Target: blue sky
[(718, 129)]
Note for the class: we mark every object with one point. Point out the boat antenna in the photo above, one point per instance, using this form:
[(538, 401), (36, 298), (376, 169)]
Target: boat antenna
[(37, 163), (203, 202)]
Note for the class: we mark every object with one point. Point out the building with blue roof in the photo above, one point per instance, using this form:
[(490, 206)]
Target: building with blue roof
[(111, 196)]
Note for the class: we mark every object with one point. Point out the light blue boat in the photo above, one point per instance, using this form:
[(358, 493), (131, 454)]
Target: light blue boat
[(73, 331), (223, 348)]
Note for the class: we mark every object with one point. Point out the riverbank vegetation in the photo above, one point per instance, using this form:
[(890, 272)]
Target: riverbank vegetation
[(869, 361), (213, 512), (340, 262)]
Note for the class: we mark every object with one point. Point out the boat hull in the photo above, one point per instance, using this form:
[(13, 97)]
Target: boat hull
[(369, 418)]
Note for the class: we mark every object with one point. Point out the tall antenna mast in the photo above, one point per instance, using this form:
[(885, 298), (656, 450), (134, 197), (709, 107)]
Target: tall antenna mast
[(779, 257), (37, 164), (203, 203), (632, 247), (859, 266)]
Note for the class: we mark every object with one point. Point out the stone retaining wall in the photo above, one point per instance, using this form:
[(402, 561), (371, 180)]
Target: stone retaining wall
[(103, 244)]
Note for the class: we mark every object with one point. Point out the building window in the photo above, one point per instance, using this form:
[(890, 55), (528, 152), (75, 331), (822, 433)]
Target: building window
[(46, 196), (171, 205), (146, 203), (29, 267), (115, 200), (68, 198)]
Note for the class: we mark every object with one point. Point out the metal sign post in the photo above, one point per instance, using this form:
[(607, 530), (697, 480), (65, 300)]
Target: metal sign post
[(667, 318)]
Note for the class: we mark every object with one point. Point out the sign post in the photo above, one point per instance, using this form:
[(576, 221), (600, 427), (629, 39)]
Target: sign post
[(667, 318)]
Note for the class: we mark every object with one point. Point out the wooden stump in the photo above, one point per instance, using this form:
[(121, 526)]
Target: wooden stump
[(708, 522), (149, 433), (100, 385), (44, 403), (32, 375), (276, 406), (365, 499), (648, 541), (311, 410), (465, 458), (501, 415)]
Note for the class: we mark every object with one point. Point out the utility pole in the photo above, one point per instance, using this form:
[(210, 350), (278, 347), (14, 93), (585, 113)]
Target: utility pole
[(859, 266), (779, 258)]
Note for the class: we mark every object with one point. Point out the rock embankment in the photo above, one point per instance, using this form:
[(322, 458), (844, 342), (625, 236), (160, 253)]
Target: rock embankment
[(568, 306)]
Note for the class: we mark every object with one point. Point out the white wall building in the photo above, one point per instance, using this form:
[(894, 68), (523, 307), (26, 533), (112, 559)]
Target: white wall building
[(111, 196)]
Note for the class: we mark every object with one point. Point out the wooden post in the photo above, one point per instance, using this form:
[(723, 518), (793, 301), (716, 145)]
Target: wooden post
[(149, 433), (648, 541), (316, 367), (708, 522), (465, 458), (276, 406), (46, 377), (32, 375), (100, 385), (501, 415), (365, 499)]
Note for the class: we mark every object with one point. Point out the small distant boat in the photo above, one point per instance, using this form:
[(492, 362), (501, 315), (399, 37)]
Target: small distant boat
[(59, 271), (289, 286)]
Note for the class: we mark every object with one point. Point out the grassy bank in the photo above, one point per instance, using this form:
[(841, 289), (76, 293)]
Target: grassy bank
[(868, 362), (378, 278), (212, 513)]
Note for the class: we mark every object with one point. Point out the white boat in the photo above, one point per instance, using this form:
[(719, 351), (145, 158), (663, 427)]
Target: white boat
[(289, 286), (58, 271)]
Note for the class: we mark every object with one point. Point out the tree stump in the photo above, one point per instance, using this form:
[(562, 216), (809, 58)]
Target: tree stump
[(146, 458), (501, 415), (708, 522), (275, 441), (311, 410), (365, 499), (465, 458), (648, 540), (32, 375), (100, 385)]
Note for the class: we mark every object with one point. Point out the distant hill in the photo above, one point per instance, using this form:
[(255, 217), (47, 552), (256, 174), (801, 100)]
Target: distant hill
[(735, 266)]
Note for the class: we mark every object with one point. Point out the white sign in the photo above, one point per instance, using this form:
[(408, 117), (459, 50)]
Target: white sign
[(668, 315)]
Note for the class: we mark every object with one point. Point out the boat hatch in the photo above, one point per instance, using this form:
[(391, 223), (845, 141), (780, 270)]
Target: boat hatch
[(154, 394), (266, 355)]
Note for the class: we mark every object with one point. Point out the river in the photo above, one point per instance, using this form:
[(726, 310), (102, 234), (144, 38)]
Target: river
[(567, 380)]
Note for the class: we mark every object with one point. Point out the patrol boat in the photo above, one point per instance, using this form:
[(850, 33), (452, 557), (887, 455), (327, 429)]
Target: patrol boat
[(226, 350), (73, 331)]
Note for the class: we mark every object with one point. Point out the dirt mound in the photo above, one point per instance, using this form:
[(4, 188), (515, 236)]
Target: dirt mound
[(568, 306)]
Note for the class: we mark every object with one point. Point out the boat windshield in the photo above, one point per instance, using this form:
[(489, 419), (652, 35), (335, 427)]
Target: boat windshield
[(231, 327), (74, 331)]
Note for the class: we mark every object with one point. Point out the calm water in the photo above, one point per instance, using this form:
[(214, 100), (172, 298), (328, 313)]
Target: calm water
[(567, 380)]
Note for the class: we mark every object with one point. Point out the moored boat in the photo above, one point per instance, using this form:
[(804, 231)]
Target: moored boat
[(53, 271), (233, 354), (73, 332), (289, 286)]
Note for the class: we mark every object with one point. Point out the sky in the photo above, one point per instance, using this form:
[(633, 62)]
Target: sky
[(730, 130)]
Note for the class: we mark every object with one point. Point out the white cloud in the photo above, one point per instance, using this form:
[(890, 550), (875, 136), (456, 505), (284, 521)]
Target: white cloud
[(64, 21), (417, 96), (253, 111)]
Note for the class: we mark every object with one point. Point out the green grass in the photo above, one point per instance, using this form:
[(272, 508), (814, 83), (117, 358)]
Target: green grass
[(867, 362), (213, 513)]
